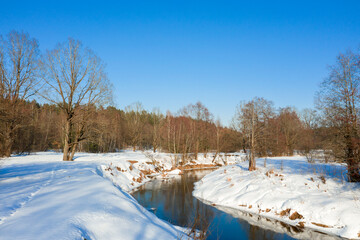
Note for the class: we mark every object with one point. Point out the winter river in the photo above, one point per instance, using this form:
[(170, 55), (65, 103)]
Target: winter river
[(172, 201)]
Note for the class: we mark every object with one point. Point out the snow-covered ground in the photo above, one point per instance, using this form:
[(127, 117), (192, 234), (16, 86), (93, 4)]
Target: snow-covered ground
[(43, 197), (290, 190)]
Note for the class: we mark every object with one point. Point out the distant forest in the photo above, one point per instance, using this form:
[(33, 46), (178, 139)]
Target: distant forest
[(191, 130), (77, 114)]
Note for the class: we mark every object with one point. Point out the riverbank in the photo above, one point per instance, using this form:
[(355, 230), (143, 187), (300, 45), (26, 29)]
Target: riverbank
[(43, 197), (134, 169), (288, 190)]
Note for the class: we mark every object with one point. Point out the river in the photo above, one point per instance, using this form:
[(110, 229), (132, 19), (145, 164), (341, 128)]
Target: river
[(172, 200)]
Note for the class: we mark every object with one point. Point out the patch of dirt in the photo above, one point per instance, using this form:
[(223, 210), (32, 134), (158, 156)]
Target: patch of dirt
[(323, 180), (197, 166), (146, 172), (301, 224), (268, 173), (285, 212), (295, 216), (132, 161), (321, 225)]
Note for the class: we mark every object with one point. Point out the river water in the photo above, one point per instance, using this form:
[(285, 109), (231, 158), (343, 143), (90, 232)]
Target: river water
[(172, 201)]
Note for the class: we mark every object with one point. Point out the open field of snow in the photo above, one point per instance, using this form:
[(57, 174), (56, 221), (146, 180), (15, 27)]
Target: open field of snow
[(290, 190), (43, 197)]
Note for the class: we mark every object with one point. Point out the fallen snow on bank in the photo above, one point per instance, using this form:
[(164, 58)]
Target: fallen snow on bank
[(130, 170), (43, 197), (289, 190)]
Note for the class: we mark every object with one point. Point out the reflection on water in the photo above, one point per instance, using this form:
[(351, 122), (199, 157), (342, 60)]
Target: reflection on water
[(172, 201)]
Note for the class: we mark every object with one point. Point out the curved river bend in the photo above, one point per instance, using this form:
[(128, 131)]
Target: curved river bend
[(172, 201)]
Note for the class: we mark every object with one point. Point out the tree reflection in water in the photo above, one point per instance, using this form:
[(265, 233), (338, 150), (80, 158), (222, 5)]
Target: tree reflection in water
[(172, 201)]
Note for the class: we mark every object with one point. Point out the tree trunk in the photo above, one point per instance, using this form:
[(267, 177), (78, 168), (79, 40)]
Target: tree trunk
[(66, 151), (7, 147), (67, 131), (73, 150), (252, 163), (353, 170), (196, 150), (9, 138), (351, 159), (8, 142)]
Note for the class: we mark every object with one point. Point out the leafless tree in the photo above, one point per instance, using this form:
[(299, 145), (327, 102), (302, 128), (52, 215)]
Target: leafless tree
[(290, 127), (251, 119), (157, 121), (19, 56), (201, 116), (135, 123), (219, 130), (310, 118), (76, 81), (339, 101)]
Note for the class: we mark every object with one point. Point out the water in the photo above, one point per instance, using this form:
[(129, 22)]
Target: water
[(172, 201)]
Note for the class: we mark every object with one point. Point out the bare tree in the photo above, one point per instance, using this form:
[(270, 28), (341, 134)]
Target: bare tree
[(308, 140), (76, 81), (310, 118), (18, 81), (135, 123), (219, 131), (339, 101), (251, 119), (201, 116), (156, 121), (290, 128)]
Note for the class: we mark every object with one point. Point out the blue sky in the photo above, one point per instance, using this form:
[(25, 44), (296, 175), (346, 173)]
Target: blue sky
[(168, 54)]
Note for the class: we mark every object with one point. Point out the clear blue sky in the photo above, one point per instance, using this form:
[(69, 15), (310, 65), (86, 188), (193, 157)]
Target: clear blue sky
[(168, 54)]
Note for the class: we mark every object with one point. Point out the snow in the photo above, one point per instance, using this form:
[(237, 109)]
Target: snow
[(129, 170), (318, 194), (43, 197)]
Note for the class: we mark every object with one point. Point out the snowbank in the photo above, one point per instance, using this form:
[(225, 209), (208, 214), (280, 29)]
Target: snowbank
[(288, 190), (129, 170), (43, 197)]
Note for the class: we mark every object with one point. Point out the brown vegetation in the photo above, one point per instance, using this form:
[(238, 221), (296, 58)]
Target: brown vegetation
[(77, 115), (321, 225), (285, 212), (295, 216), (301, 224)]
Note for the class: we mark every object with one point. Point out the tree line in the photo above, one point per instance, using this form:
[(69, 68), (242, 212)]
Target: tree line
[(61, 100)]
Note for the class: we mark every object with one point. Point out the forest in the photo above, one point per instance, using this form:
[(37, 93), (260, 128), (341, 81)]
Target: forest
[(61, 100)]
